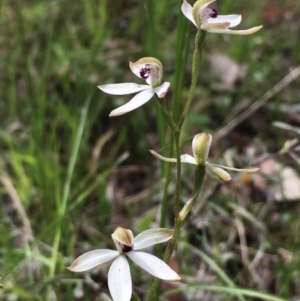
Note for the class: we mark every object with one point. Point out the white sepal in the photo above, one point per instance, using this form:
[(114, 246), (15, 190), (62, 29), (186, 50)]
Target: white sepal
[(91, 259), (235, 32), (160, 157), (153, 266), (187, 10), (136, 102), (250, 170), (151, 237), (119, 280), (122, 89)]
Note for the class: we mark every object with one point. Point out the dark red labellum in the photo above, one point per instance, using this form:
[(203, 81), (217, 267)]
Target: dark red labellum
[(126, 249), (145, 72)]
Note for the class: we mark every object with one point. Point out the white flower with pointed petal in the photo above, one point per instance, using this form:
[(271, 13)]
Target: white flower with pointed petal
[(148, 69), (205, 17), (119, 277), (200, 146)]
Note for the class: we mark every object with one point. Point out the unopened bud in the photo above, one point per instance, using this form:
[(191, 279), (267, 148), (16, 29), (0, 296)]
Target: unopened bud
[(201, 145)]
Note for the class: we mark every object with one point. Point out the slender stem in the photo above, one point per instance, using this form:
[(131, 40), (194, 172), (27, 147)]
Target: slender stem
[(195, 71), (176, 129), (199, 176), (168, 117), (177, 222)]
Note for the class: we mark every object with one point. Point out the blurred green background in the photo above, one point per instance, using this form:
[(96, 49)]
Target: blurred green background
[(70, 174)]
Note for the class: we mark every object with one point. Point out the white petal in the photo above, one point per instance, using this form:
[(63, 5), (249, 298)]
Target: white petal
[(158, 156), (235, 32), (187, 10), (122, 89), (137, 101), (186, 158), (152, 237), (219, 172), (119, 280), (234, 20), (153, 266), (162, 90), (91, 259)]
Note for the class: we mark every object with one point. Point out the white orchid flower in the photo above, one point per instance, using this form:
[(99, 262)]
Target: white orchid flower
[(148, 69), (200, 146), (205, 17), (119, 278)]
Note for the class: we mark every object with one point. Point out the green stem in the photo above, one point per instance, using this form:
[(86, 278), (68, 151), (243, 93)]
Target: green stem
[(166, 175), (177, 222), (168, 117), (199, 176), (195, 72), (200, 171)]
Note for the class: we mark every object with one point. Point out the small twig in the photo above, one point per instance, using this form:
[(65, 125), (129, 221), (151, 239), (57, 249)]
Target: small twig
[(259, 103), (12, 192)]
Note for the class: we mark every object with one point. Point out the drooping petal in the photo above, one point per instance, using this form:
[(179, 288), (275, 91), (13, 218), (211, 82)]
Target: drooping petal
[(234, 32), (137, 101), (187, 10), (149, 69), (160, 157), (119, 280), (162, 90), (91, 259), (186, 158), (152, 237), (233, 20), (250, 170), (153, 266), (219, 172), (122, 89)]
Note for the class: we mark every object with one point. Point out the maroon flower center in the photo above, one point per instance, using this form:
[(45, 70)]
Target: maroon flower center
[(208, 12), (213, 12), (145, 72), (126, 249)]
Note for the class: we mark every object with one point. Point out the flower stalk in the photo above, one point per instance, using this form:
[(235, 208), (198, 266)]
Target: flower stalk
[(197, 56)]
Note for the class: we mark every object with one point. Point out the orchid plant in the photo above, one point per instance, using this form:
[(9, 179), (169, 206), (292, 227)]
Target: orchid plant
[(119, 277), (206, 19)]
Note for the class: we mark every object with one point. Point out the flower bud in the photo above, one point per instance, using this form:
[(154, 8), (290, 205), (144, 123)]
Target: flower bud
[(186, 209), (201, 145), (149, 69)]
